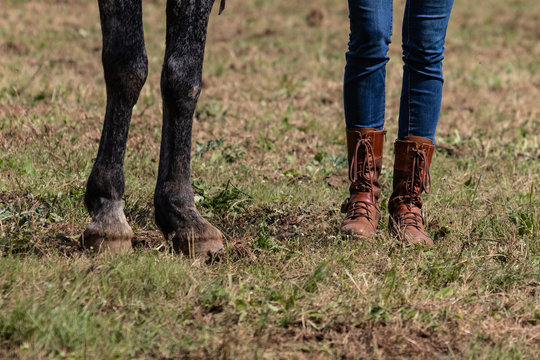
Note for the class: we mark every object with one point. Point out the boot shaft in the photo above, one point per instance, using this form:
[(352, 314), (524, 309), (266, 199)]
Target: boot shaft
[(375, 137), (412, 162), (364, 154)]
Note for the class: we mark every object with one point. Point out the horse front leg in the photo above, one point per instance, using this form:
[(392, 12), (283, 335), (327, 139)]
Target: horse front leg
[(125, 68), (176, 213)]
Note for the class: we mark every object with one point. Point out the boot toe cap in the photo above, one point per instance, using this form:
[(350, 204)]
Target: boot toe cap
[(358, 229), (413, 236)]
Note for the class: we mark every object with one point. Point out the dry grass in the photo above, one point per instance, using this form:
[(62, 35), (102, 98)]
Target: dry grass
[(269, 170)]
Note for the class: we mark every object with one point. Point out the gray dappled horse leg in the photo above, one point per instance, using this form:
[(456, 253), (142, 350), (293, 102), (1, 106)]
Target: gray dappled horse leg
[(125, 67), (176, 214)]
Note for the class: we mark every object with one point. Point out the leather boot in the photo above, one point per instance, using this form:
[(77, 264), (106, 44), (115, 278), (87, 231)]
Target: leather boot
[(411, 178), (364, 152)]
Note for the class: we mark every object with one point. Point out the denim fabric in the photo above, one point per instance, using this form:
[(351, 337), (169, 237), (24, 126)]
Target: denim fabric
[(424, 30)]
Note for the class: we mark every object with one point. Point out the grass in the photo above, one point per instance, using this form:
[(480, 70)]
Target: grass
[(269, 169)]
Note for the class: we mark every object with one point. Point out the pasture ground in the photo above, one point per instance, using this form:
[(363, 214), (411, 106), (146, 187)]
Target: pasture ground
[(269, 169)]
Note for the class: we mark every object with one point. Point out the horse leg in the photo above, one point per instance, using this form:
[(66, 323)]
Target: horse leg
[(125, 67), (176, 214)]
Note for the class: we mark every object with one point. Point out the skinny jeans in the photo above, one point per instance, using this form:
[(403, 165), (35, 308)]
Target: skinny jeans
[(424, 30)]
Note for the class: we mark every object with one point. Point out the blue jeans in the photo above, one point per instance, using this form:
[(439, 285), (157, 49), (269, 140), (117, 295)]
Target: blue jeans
[(424, 31)]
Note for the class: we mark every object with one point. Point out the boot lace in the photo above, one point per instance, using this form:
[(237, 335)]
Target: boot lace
[(358, 209), (421, 177), (411, 218), (365, 173), (420, 173), (364, 178)]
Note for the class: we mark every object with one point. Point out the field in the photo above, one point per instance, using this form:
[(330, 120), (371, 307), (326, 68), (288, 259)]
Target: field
[(269, 169)]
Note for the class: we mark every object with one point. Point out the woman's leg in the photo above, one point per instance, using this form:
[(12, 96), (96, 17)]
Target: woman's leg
[(424, 31), (365, 72)]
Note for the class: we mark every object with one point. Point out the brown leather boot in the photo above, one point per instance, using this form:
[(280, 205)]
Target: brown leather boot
[(364, 150), (411, 178)]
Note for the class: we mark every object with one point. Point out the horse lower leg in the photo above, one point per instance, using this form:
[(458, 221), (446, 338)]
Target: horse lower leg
[(125, 68), (180, 86)]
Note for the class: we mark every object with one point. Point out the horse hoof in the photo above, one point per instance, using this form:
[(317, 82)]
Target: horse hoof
[(108, 231)]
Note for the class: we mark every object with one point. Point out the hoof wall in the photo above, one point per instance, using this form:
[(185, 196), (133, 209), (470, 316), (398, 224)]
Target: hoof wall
[(201, 240), (109, 231)]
